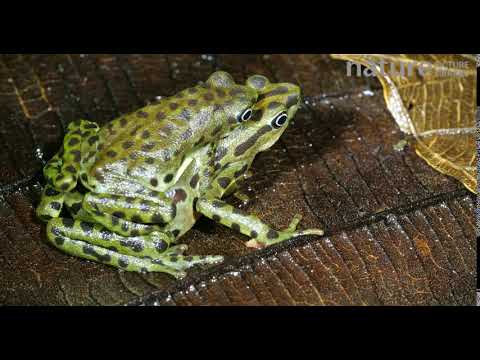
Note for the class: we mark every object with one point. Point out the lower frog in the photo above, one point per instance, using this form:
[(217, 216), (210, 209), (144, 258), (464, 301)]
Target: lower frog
[(134, 225)]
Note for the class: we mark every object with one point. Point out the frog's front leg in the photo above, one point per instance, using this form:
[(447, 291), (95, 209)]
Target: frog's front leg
[(261, 234), (138, 254)]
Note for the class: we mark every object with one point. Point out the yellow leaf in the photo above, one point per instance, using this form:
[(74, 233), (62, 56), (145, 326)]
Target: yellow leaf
[(432, 97)]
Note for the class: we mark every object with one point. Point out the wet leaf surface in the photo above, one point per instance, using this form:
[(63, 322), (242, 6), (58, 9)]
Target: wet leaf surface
[(432, 97), (397, 231)]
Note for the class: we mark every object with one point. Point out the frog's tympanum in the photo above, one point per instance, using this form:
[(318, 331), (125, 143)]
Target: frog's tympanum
[(136, 185)]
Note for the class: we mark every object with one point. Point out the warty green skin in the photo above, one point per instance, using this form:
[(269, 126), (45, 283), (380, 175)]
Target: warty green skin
[(133, 214)]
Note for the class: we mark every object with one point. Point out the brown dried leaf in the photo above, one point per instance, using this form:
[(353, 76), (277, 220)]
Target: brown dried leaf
[(437, 104)]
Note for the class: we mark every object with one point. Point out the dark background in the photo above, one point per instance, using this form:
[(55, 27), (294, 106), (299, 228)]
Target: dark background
[(398, 232)]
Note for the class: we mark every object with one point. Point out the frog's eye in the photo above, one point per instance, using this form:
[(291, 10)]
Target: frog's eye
[(246, 115), (280, 120)]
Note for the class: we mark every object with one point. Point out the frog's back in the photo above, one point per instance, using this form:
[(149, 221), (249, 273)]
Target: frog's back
[(149, 144)]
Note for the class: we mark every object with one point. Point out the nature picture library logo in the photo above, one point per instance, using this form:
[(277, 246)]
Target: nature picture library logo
[(408, 68)]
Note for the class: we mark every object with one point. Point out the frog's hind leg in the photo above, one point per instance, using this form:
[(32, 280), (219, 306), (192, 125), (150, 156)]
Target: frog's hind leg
[(51, 203), (63, 171), (129, 216), (261, 234), (139, 254)]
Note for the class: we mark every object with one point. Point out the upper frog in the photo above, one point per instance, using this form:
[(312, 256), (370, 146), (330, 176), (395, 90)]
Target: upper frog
[(155, 139)]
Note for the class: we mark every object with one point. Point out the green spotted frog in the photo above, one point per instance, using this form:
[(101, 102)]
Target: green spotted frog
[(138, 184)]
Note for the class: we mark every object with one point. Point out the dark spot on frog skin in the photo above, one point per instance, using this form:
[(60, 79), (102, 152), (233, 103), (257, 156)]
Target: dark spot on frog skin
[(175, 232), (134, 131), (154, 182), (86, 226), (137, 219), (208, 96), (168, 178), (224, 182), (241, 171), (174, 258), (161, 246), (111, 153), (100, 147), (272, 234), (192, 90), (123, 122), (115, 221), (71, 169), (220, 93), (134, 244), (243, 147), (91, 126), (142, 114), (123, 262), (187, 134), (148, 147), (150, 160), (174, 210), (92, 140), (173, 106), (99, 176), (160, 116), (134, 233), (119, 214), (65, 187), (145, 134), (236, 91), (216, 218), (90, 250), (68, 223), (236, 227), (75, 208), (278, 91), (166, 155), (157, 219), (292, 100), (59, 240), (73, 142), (217, 130), (180, 195), (51, 192), (274, 104), (253, 234), (56, 205), (185, 115), (194, 181), (84, 178), (221, 152), (192, 102), (77, 156)]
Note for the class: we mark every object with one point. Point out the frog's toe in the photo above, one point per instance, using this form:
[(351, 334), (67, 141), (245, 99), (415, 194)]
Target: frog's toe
[(184, 262)]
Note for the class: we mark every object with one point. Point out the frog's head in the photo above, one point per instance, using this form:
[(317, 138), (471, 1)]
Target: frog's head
[(235, 100), (276, 105)]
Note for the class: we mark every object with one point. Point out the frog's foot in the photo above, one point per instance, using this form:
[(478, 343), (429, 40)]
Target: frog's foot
[(51, 203), (289, 233), (262, 235), (138, 254), (64, 169)]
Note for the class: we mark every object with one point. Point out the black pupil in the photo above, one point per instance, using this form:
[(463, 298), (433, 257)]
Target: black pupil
[(281, 119), (247, 114)]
